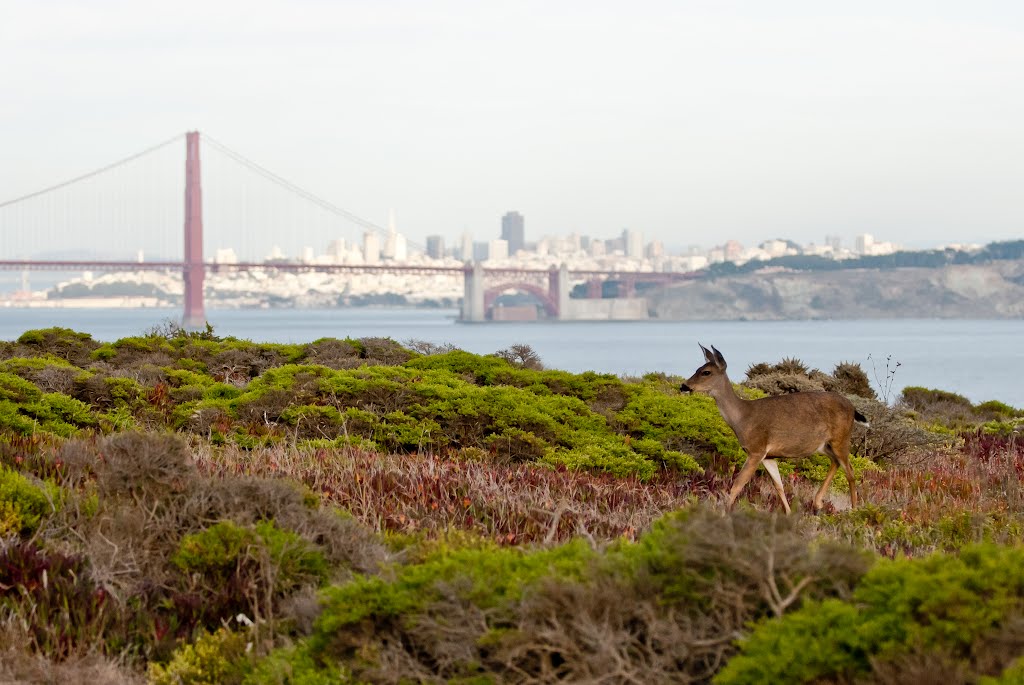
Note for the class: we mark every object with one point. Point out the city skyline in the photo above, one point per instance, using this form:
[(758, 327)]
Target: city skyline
[(679, 119)]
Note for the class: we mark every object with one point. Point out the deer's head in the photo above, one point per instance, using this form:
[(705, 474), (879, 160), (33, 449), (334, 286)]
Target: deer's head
[(708, 376)]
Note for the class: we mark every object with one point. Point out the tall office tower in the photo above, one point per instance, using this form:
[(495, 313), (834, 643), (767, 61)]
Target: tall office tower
[(435, 246), (835, 242), (466, 248), (865, 241), (633, 242), (371, 247), (513, 231), (401, 253)]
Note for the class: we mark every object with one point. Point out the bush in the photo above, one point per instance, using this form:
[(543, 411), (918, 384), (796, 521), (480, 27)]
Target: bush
[(150, 464), (65, 343), (431, 621), (24, 504), (227, 569), (219, 658), (951, 605), (851, 379)]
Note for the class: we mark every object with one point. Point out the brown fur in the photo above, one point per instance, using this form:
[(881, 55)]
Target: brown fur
[(790, 426)]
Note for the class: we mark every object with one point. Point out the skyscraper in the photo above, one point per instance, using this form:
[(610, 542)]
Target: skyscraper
[(633, 242), (371, 247), (513, 231), (435, 246)]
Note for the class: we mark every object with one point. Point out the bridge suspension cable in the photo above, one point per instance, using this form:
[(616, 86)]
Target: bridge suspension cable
[(97, 172), (305, 194)]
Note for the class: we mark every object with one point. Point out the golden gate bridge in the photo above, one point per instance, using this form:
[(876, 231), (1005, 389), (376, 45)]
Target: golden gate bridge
[(51, 229)]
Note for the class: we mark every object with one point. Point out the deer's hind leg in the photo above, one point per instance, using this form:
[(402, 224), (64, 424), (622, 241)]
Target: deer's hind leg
[(819, 497), (773, 470), (840, 454)]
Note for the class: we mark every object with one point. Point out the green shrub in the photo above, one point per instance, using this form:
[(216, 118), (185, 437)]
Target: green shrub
[(14, 388), (219, 658), (296, 666), (23, 504), (59, 342), (489, 578), (942, 603), (226, 549), (682, 423)]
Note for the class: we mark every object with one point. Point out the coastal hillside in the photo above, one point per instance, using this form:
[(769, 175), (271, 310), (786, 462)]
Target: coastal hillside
[(180, 507), (994, 290)]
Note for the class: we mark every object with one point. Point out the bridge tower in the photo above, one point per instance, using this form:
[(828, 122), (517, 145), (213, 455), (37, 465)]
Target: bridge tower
[(193, 270), (473, 293), (478, 295)]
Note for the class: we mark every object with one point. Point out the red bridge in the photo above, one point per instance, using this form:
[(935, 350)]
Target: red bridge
[(31, 224)]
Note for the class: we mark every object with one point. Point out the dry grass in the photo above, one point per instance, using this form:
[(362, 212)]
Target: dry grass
[(20, 664), (511, 504)]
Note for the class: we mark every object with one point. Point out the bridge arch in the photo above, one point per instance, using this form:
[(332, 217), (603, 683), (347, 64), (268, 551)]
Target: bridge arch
[(546, 299)]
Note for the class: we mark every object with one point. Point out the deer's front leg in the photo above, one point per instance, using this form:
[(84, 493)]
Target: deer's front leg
[(749, 466)]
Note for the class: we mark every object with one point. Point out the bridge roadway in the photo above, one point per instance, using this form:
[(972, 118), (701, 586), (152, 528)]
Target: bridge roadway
[(300, 267), (482, 285)]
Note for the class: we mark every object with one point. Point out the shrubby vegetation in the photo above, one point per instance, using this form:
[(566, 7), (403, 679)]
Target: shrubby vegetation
[(999, 251), (178, 507)]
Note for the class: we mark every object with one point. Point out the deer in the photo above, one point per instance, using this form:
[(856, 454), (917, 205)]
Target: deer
[(792, 426)]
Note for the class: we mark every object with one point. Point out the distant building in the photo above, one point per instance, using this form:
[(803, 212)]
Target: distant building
[(513, 231), (775, 248), (225, 255), (733, 250), (337, 250), (479, 251), (466, 247), (865, 241), (401, 252), (633, 243), (498, 249), (435, 246), (371, 247)]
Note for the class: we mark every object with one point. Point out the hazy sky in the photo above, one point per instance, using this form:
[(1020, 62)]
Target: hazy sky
[(693, 122)]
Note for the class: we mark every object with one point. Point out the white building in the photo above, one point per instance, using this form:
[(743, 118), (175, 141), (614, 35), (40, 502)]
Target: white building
[(371, 248), (400, 252), (225, 255), (497, 249), (633, 241), (864, 242)]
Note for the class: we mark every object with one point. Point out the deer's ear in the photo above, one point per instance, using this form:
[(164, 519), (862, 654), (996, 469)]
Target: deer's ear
[(708, 355), (719, 359)]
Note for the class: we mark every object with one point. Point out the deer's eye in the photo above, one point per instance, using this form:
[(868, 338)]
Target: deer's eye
[(705, 372)]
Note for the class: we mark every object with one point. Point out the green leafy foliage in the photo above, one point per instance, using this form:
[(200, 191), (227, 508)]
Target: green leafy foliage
[(23, 504), (219, 658), (951, 604), (226, 551)]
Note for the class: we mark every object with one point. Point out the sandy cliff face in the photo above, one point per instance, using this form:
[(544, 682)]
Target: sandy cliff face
[(994, 290)]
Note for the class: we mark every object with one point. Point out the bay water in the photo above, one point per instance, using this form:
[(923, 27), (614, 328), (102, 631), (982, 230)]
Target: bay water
[(982, 360)]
